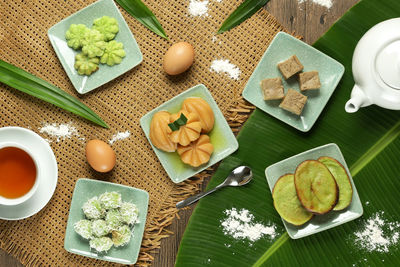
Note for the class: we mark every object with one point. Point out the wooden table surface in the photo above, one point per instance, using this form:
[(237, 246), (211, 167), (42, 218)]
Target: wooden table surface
[(309, 20)]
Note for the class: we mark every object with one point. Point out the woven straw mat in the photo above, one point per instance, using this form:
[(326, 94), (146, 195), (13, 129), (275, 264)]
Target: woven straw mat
[(39, 239)]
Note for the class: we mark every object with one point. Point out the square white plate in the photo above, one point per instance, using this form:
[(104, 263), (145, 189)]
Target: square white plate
[(66, 55), (319, 222), (281, 48), (221, 136), (88, 188)]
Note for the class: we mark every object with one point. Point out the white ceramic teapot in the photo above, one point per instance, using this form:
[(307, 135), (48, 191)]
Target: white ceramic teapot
[(376, 68)]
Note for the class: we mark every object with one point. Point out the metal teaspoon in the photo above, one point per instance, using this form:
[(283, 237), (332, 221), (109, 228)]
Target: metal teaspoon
[(239, 176)]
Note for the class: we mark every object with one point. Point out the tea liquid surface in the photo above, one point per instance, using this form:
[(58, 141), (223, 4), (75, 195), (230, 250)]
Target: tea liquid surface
[(17, 172)]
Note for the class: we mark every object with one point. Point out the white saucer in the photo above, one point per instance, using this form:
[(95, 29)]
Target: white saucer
[(47, 163)]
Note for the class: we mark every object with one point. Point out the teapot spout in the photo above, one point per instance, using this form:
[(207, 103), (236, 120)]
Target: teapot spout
[(358, 99)]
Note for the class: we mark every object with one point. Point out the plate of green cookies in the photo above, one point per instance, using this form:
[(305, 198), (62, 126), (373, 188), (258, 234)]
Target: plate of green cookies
[(95, 45)]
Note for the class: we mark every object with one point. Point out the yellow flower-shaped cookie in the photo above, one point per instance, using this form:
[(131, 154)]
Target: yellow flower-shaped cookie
[(159, 132), (188, 132), (197, 152)]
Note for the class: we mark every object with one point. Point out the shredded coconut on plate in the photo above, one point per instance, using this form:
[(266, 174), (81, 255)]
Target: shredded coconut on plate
[(325, 3), (198, 8), (240, 225), (59, 131), (223, 65), (119, 136), (378, 234)]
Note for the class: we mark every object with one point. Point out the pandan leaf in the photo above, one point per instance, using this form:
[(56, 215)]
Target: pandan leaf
[(34, 86), (138, 10), (369, 141), (174, 126), (182, 120), (243, 12)]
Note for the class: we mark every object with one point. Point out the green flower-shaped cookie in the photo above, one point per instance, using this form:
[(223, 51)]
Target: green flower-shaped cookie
[(93, 44), (113, 53), (75, 35), (85, 65), (106, 26)]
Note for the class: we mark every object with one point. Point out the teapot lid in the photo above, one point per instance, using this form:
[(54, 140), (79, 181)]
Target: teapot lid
[(387, 64)]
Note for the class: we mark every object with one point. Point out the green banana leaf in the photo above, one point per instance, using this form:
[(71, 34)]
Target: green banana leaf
[(28, 83), (138, 10), (247, 9), (369, 140)]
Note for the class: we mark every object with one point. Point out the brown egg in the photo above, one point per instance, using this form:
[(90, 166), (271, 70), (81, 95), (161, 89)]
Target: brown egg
[(178, 58), (100, 155)]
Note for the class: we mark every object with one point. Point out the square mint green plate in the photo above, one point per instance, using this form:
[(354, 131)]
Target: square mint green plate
[(221, 135), (105, 73), (86, 189), (319, 222), (281, 48)]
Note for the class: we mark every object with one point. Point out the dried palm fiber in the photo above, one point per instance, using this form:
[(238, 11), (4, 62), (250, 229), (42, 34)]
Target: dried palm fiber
[(23, 42)]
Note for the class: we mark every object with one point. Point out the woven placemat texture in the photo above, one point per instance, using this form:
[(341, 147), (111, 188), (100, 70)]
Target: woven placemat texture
[(38, 241)]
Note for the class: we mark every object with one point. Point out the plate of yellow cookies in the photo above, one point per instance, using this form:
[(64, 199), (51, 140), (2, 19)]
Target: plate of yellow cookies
[(189, 133)]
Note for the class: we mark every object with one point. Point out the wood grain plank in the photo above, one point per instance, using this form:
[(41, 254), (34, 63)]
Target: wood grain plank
[(309, 20), (8, 261)]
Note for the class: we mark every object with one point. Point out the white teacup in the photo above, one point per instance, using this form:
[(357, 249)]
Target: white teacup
[(15, 201)]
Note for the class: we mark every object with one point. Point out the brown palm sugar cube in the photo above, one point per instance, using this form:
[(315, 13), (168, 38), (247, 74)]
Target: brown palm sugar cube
[(294, 102), (272, 89), (309, 80), (290, 67)]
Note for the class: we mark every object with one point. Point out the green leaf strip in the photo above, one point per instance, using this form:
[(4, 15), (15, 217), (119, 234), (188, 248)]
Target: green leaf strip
[(174, 126), (182, 120), (242, 12), (138, 10), (34, 86), (271, 250), (377, 148)]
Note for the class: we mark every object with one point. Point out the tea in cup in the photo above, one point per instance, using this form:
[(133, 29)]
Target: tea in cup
[(19, 174)]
